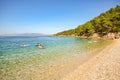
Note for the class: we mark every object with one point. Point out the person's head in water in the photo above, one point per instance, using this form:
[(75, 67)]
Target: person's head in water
[(22, 45), (39, 45)]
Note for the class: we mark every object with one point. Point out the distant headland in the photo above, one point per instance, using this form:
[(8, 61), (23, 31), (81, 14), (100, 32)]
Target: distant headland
[(27, 34)]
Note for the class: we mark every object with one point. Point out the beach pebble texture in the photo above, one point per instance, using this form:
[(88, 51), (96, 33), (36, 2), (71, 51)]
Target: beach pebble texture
[(104, 66)]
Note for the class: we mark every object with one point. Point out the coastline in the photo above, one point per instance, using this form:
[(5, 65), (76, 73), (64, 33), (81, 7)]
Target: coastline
[(104, 66), (60, 67), (109, 36)]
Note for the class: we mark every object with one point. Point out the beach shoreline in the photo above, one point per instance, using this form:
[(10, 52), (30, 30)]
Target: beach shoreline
[(69, 64), (104, 66)]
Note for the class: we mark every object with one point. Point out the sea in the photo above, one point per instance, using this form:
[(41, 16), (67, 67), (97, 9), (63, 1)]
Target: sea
[(58, 57)]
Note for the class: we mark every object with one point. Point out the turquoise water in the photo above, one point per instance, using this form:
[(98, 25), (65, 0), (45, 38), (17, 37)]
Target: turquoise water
[(32, 63)]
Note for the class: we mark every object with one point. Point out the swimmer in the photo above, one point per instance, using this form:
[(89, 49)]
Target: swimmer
[(22, 45), (39, 45)]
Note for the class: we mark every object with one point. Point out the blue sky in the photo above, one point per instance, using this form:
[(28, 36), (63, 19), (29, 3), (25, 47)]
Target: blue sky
[(48, 16)]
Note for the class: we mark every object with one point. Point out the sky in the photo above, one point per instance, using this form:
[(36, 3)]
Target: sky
[(48, 16)]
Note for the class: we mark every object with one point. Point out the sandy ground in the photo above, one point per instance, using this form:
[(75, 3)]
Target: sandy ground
[(104, 66)]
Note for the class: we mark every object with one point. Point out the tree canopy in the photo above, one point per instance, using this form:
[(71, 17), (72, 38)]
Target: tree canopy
[(107, 22)]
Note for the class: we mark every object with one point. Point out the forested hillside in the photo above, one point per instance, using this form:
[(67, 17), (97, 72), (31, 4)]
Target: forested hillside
[(107, 22)]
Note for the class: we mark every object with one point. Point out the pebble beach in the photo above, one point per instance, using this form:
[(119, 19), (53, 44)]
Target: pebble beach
[(104, 66)]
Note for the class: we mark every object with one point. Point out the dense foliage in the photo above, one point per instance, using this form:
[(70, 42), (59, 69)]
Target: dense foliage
[(107, 22), (67, 32)]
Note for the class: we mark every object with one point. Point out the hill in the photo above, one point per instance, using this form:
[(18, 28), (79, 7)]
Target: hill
[(107, 22), (26, 34)]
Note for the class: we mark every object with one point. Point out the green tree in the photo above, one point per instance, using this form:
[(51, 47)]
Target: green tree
[(106, 22)]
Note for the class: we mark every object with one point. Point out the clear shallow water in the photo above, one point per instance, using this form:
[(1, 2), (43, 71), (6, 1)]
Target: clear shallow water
[(32, 63)]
